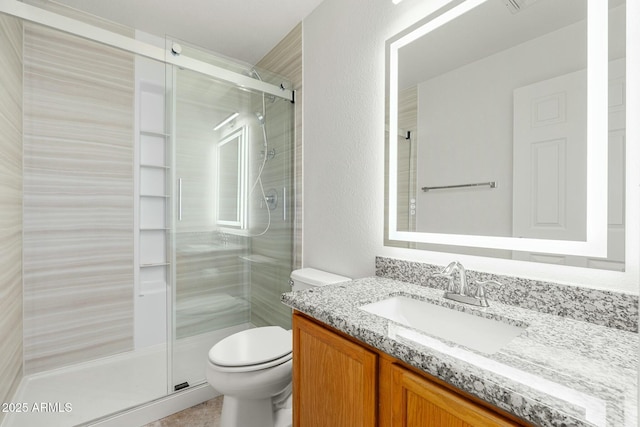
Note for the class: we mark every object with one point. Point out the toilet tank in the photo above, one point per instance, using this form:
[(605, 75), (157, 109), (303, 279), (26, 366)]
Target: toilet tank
[(306, 278)]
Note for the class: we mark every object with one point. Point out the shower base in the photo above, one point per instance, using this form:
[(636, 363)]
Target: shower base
[(87, 391), (77, 394)]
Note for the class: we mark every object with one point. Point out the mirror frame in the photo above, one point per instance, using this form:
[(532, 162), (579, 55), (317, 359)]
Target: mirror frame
[(238, 136), (597, 135)]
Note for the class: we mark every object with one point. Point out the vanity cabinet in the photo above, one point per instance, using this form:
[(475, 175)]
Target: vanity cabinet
[(339, 381), (334, 379)]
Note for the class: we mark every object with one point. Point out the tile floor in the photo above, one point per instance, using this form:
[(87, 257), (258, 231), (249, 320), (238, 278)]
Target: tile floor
[(206, 414)]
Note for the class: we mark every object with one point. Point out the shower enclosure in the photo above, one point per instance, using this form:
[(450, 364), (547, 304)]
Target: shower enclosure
[(151, 226), (232, 223)]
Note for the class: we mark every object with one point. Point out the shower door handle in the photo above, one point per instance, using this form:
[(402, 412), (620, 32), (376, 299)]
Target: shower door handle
[(179, 199), (284, 203)]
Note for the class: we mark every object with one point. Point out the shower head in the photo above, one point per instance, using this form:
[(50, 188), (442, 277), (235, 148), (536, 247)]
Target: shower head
[(260, 117)]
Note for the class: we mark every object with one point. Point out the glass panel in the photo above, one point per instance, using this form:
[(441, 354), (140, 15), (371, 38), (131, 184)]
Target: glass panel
[(232, 228), (92, 338), (272, 244)]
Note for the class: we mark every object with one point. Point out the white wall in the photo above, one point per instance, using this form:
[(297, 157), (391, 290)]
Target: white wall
[(344, 78), (344, 66)]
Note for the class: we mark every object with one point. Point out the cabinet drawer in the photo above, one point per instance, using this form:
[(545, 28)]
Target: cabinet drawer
[(418, 402)]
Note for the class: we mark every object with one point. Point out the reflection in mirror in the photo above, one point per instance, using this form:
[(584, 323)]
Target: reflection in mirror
[(232, 180), (497, 95)]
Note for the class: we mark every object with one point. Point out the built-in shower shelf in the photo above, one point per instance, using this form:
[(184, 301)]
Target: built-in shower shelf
[(260, 259), (153, 171), (154, 133), (154, 264), (148, 165)]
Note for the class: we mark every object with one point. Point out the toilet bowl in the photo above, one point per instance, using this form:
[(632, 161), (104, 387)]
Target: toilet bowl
[(252, 368)]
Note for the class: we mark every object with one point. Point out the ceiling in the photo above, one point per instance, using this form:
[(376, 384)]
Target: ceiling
[(240, 29)]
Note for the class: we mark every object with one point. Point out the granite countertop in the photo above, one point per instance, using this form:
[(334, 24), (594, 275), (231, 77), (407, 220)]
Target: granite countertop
[(558, 372)]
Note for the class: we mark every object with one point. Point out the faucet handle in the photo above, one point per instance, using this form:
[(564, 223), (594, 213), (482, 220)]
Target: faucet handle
[(481, 293)]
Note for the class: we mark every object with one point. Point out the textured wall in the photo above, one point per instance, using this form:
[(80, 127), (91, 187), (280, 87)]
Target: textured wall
[(344, 111), (270, 279), (78, 200), (285, 59), (10, 207)]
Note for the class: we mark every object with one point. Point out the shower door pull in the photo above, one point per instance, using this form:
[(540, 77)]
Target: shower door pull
[(284, 203), (179, 199)]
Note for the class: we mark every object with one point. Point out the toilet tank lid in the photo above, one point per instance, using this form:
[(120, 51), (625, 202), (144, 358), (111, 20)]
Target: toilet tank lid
[(317, 277)]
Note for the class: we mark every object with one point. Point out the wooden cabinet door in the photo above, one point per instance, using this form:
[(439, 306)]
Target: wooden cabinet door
[(334, 379), (418, 402)]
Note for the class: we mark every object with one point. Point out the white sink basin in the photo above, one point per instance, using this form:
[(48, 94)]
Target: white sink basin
[(475, 332)]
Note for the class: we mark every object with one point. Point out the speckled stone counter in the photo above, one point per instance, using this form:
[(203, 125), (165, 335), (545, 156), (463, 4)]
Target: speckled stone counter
[(612, 309), (558, 372)]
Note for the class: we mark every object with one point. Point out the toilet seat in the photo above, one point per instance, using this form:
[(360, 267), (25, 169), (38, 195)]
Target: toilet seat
[(250, 368), (252, 350)]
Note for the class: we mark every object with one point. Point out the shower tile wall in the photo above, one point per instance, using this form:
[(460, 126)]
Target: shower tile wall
[(286, 60), (270, 278), (78, 200), (10, 207)]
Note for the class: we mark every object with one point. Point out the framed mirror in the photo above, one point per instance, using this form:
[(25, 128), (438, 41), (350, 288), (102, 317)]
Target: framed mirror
[(232, 167), (500, 124)]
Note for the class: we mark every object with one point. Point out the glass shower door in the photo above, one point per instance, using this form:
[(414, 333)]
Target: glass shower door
[(221, 166)]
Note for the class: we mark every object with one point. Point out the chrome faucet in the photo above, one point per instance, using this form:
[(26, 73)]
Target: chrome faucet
[(449, 272), (462, 293)]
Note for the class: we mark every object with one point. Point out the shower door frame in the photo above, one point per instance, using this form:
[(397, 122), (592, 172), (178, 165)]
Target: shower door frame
[(72, 26)]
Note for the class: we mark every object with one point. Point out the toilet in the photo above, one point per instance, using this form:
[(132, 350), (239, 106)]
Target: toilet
[(252, 368)]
